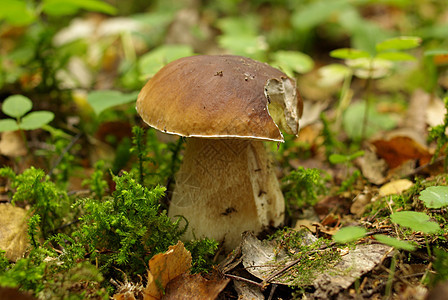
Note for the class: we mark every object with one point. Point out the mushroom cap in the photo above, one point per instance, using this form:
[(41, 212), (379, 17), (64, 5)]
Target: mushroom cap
[(217, 96)]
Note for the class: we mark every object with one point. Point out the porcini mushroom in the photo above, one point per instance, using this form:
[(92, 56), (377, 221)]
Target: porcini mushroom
[(226, 106)]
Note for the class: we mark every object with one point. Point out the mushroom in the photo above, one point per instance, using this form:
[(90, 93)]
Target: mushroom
[(226, 106)]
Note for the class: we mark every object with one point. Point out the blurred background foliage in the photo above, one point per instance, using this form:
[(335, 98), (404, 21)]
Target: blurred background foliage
[(86, 60)]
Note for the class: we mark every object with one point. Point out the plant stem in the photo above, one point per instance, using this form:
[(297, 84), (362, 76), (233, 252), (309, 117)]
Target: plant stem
[(344, 100), (428, 249), (368, 90), (390, 280)]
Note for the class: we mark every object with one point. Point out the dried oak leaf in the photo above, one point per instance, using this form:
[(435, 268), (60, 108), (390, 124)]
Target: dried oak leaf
[(13, 231), (164, 267), (395, 187), (194, 287), (12, 144), (400, 146)]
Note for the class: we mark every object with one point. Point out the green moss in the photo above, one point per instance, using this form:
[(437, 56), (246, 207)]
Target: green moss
[(312, 255)]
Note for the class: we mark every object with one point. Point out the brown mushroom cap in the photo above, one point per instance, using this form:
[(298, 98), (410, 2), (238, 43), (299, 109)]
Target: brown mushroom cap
[(213, 96)]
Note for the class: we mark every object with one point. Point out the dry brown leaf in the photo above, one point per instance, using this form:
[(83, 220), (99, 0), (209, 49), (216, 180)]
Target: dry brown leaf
[(415, 116), (164, 267), (194, 287), (359, 203), (372, 167), (8, 293), (400, 146), (435, 113), (13, 231), (305, 223), (12, 144), (395, 187), (247, 291)]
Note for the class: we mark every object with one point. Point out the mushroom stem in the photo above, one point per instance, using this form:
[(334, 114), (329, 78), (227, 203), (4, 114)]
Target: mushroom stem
[(225, 187)]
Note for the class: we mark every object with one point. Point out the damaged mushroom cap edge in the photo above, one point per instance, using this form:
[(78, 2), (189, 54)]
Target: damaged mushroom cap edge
[(191, 97)]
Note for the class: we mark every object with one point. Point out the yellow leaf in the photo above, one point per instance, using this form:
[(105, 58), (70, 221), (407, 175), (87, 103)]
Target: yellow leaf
[(395, 187), (164, 267)]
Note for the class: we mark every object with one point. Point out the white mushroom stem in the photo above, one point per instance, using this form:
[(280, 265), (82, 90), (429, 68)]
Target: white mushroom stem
[(225, 187)]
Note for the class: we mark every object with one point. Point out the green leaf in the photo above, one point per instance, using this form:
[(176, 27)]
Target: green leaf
[(251, 46), (417, 221), (349, 53), (36, 119), (154, 60), (8, 125), (353, 119), (435, 196), (16, 106), (370, 67), (397, 244), (349, 234), (104, 99), (236, 26), (293, 61), (316, 12), (338, 158), (333, 74), (435, 52), (69, 7), (16, 12), (399, 43), (395, 56)]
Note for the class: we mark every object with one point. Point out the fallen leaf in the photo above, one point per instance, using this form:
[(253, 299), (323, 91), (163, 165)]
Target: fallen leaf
[(127, 290), (372, 167), (247, 291), (309, 224), (400, 146), (415, 116), (12, 144), (359, 203), (8, 293), (352, 266), (435, 112), (194, 287), (164, 267), (13, 231), (395, 187), (312, 111), (263, 258)]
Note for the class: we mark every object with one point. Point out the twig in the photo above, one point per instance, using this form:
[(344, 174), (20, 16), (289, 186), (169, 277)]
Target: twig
[(66, 149), (243, 279), (271, 294), (421, 168), (266, 281)]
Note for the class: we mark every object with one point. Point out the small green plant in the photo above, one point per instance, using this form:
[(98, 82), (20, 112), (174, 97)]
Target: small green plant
[(202, 252), (105, 99), (27, 273), (417, 221), (305, 185), (440, 266), (369, 65), (96, 182), (311, 255), (344, 159), (435, 196), (17, 107), (131, 227), (140, 151), (396, 243), (437, 134), (349, 234), (33, 187)]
